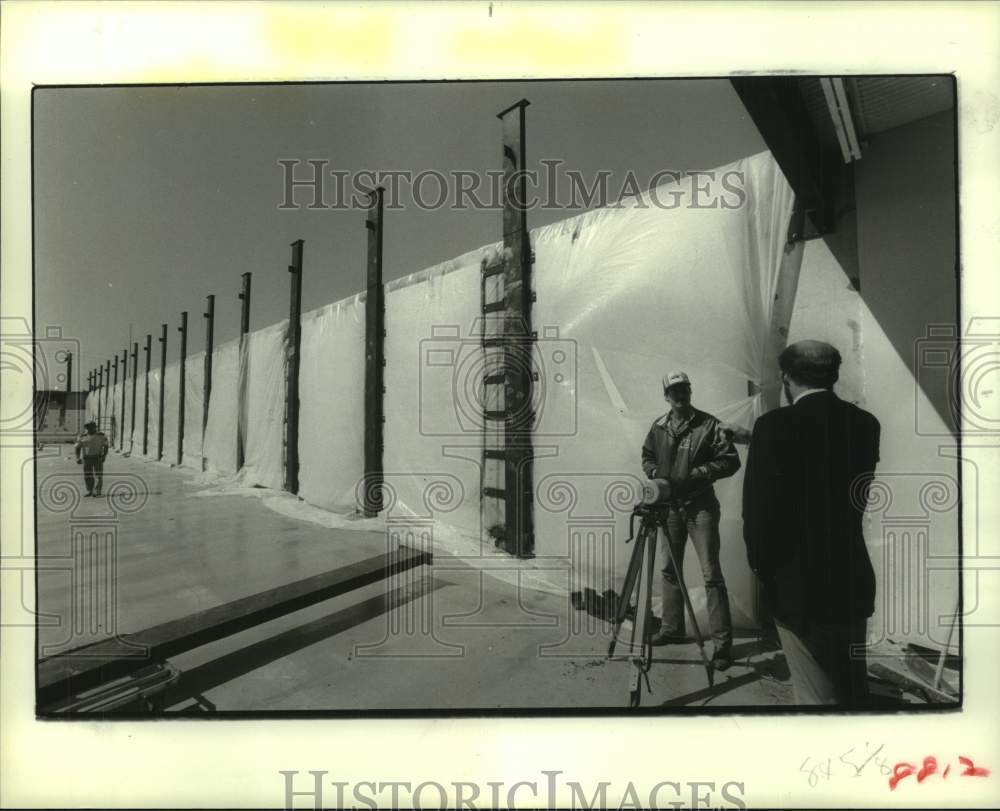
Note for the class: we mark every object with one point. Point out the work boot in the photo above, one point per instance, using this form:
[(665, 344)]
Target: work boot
[(663, 637), (722, 660)]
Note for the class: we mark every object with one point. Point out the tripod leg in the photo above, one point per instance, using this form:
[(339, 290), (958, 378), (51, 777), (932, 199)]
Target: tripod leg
[(650, 569), (690, 610), (642, 603), (641, 653), (635, 562)]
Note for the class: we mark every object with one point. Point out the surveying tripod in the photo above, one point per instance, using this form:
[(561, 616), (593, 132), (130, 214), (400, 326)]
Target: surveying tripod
[(639, 583)]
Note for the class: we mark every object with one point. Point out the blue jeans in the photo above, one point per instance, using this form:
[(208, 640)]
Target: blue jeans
[(699, 521), (93, 473)]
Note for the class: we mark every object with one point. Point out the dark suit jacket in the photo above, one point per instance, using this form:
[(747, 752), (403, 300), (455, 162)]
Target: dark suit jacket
[(804, 495)]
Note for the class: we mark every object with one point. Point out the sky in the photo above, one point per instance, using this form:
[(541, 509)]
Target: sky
[(147, 199)]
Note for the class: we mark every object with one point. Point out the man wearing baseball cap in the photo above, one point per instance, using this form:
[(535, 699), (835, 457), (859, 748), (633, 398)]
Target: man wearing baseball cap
[(690, 449), (91, 451)]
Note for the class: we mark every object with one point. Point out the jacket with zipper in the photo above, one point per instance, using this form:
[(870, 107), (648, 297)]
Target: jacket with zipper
[(695, 450)]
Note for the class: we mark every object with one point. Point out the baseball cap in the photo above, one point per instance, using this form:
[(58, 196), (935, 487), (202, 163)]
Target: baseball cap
[(675, 378)]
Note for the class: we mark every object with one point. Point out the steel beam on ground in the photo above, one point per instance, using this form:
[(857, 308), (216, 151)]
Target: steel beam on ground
[(89, 666)]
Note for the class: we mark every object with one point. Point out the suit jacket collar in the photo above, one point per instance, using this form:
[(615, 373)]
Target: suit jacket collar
[(822, 396)]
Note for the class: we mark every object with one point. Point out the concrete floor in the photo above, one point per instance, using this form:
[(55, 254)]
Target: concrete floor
[(441, 637)]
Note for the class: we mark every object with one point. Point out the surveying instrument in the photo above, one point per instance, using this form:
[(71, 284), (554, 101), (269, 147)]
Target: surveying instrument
[(639, 585)]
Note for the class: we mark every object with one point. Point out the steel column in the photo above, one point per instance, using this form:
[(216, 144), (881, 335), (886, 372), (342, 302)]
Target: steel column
[(374, 359), (518, 339), (121, 419), (183, 330), (776, 106), (111, 396), (107, 388), (135, 380), (207, 388), (163, 386), (69, 389), (292, 380), (145, 408), (100, 391), (241, 408)]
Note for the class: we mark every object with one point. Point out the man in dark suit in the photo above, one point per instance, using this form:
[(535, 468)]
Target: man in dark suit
[(804, 494)]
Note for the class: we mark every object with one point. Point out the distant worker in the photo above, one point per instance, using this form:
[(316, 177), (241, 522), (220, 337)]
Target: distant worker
[(689, 449), (91, 451), (804, 495)]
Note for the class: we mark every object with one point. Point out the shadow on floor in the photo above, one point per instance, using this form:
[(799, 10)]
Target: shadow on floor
[(760, 654), (774, 668), (219, 671)]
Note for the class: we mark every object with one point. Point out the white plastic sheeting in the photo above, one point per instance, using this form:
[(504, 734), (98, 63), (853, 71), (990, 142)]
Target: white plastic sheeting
[(675, 279), (623, 295), (433, 414), (220, 433), (331, 411), (113, 421), (171, 411), (140, 410), (154, 415), (263, 428), (194, 379)]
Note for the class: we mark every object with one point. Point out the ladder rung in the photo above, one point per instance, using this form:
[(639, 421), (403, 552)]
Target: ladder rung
[(493, 270), (494, 492), (496, 415), (492, 380), (494, 453), (497, 306)]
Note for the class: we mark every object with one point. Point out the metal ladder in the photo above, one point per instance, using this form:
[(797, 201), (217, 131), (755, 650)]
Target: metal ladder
[(506, 343)]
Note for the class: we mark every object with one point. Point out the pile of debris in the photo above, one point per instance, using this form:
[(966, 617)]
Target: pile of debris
[(913, 674)]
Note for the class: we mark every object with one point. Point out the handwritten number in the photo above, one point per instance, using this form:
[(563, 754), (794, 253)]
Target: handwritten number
[(811, 772), (899, 772), (903, 770), (971, 770)]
